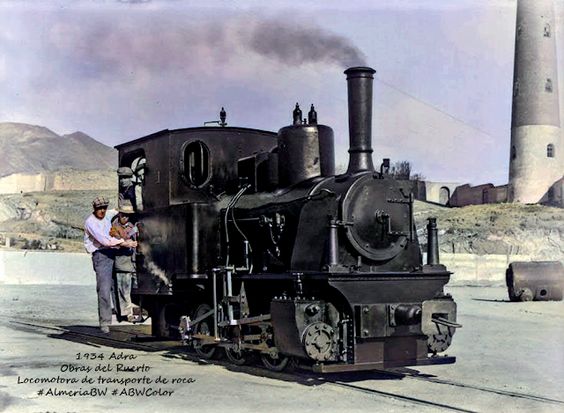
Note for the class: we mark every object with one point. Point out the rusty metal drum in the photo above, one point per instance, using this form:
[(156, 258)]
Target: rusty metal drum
[(535, 280)]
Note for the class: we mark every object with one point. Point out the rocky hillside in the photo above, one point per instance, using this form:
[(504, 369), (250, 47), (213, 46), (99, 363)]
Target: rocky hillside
[(32, 149), (533, 230), (44, 218)]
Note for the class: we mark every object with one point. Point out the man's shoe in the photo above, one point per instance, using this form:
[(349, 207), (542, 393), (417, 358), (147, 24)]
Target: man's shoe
[(105, 329)]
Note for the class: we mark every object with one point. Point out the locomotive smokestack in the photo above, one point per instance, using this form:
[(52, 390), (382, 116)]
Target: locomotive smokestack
[(359, 80)]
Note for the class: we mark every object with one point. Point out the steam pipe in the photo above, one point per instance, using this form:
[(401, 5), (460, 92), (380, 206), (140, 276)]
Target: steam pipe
[(359, 81), (195, 244), (230, 314), (333, 243), (432, 242), (215, 327)]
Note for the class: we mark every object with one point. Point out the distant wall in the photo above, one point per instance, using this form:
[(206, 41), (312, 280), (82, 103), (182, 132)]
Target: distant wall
[(469, 195), (479, 194), (41, 267), (472, 269), (58, 181), (439, 192), (21, 182), (498, 194)]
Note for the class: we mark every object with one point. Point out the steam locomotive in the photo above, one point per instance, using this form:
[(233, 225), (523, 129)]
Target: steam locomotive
[(251, 245)]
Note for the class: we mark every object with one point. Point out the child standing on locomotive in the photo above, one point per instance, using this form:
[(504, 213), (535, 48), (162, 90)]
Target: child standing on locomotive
[(124, 265)]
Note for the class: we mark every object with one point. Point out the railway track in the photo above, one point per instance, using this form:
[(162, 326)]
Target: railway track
[(95, 338), (536, 399), (484, 389), (124, 337), (413, 400)]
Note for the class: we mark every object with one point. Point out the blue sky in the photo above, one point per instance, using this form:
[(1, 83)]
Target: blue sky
[(117, 70)]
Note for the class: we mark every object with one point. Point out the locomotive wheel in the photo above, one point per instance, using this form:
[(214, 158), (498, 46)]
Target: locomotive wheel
[(274, 364), (204, 327), (237, 357), (236, 354)]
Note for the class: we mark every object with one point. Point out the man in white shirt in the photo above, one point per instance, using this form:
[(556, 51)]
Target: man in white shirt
[(102, 246)]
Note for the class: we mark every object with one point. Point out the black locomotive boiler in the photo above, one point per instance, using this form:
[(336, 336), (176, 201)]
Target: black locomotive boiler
[(250, 244)]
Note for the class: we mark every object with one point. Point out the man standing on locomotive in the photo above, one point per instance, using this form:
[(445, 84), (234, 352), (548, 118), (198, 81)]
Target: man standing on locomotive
[(102, 246), (129, 189), (124, 266)]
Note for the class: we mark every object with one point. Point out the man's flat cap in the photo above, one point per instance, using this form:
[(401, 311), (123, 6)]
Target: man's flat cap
[(100, 202)]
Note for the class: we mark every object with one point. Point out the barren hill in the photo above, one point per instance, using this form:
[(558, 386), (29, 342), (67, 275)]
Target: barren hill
[(507, 229), (35, 149)]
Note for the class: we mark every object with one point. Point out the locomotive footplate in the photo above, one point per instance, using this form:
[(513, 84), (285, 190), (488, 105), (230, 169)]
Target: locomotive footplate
[(343, 367)]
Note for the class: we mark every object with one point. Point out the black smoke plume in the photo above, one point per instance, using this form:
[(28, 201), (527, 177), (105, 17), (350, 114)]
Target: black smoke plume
[(295, 45), (110, 47)]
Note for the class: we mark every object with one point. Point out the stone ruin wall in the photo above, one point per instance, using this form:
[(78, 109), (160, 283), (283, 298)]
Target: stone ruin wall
[(58, 181)]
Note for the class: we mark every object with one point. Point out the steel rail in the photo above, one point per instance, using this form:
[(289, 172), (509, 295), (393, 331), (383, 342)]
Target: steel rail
[(410, 399)]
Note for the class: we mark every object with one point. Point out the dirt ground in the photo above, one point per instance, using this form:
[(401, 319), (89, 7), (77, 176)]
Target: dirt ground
[(509, 358)]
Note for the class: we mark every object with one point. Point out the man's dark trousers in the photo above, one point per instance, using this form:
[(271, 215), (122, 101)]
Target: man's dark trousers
[(103, 261)]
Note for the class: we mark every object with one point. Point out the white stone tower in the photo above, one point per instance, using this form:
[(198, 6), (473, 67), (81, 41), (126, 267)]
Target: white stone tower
[(536, 153)]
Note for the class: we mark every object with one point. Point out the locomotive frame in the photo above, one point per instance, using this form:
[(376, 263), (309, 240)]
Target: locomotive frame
[(249, 242)]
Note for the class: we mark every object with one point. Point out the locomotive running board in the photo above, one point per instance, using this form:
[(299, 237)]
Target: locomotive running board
[(337, 368)]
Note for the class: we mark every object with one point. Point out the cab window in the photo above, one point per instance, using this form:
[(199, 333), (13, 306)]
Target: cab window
[(195, 164)]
